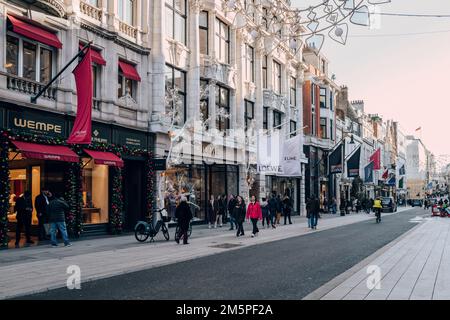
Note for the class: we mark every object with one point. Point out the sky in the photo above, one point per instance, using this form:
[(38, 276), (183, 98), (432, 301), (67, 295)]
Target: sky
[(401, 77)]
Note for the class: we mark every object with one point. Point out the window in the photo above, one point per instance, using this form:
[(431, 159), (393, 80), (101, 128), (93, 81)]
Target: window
[(313, 94), (222, 102), (264, 72), (176, 79), (250, 63), (126, 86), (276, 77), (176, 20), (331, 100), (313, 121), (222, 43), (265, 118), (276, 119), (293, 128), (331, 130), (203, 32), (249, 112), (125, 11), (323, 128), (28, 59), (324, 66), (323, 97), (293, 91), (93, 3), (265, 18), (95, 192), (204, 102)]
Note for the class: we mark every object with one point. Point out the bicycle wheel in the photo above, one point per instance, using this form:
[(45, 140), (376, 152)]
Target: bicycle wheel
[(177, 233), (165, 232), (140, 233)]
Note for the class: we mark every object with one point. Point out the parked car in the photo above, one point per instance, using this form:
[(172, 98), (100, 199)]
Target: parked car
[(388, 204), (416, 203)]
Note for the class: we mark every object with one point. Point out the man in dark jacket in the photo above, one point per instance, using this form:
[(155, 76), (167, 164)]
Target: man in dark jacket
[(40, 203), (231, 204), (273, 209), (184, 216), (56, 211), (24, 209)]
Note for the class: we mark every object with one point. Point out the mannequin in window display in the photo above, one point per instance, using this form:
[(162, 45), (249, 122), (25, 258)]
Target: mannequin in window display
[(172, 205)]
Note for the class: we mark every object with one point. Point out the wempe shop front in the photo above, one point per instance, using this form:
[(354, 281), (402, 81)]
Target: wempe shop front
[(107, 184)]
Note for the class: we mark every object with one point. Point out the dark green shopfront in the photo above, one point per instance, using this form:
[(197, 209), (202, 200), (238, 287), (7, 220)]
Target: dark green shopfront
[(105, 196)]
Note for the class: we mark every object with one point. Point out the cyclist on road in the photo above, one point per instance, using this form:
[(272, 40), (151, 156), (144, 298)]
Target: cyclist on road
[(377, 208)]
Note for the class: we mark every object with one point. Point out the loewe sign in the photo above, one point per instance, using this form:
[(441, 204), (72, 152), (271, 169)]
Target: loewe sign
[(36, 123)]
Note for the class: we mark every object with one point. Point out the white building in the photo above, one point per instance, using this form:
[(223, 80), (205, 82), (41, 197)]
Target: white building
[(416, 167)]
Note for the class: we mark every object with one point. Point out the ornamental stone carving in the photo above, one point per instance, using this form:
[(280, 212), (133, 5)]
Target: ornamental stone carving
[(54, 7)]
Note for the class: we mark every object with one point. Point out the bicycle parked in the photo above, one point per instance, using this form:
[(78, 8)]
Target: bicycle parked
[(143, 230)]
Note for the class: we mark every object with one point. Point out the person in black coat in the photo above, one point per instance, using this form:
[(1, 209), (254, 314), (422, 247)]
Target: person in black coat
[(56, 211), (279, 209), (24, 209), (231, 204), (287, 208), (40, 203), (273, 209), (212, 212), (184, 216), (239, 212), (315, 210)]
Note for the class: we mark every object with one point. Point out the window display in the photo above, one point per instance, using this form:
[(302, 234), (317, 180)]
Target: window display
[(95, 192)]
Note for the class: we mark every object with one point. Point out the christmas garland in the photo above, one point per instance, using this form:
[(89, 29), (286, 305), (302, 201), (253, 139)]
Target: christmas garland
[(74, 200), (116, 212), (150, 184), (4, 186)]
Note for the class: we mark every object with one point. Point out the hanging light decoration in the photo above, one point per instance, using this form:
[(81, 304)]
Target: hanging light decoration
[(282, 22)]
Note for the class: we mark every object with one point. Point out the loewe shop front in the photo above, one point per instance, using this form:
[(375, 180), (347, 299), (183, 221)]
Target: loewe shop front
[(108, 184)]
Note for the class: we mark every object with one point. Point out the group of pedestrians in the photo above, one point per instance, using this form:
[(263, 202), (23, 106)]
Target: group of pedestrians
[(51, 209)]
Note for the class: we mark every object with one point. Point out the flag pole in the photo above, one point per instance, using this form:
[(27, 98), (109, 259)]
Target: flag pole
[(34, 99)]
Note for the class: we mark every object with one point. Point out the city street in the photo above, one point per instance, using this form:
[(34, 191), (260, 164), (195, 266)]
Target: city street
[(288, 268)]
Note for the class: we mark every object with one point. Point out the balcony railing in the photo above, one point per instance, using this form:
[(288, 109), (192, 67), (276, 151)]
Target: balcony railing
[(30, 87), (128, 30), (91, 11)]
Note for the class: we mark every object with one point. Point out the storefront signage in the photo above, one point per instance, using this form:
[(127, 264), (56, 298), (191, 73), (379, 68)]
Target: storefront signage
[(36, 123), (130, 139), (159, 164), (101, 133)]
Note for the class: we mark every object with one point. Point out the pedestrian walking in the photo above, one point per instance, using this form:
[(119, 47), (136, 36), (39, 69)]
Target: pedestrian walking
[(377, 206), (308, 211), (24, 212), (287, 208), (231, 204), (273, 209), (254, 213), (279, 209), (184, 216), (40, 203), (315, 210), (325, 205), (333, 206), (57, 209), (220, 211), (212, 212), (265, 212), (239, 215), (348, 206)]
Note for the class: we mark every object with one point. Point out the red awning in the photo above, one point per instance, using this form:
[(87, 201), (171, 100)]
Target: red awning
[(129, 71), (96, 56), (34, 32), (107, 158), (46, 152)]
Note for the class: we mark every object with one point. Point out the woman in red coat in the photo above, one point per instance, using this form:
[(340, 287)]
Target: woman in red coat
[(254, 213)]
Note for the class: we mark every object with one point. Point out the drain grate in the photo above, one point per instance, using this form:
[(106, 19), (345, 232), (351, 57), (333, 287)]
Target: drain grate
[(226, 245)]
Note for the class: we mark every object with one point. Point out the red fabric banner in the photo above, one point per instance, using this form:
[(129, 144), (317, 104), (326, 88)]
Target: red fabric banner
[(82, 128), (376, 158), (385, 175)]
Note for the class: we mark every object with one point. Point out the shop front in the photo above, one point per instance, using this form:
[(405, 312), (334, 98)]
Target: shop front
[(95, 180), (199, 182), (285, 186)]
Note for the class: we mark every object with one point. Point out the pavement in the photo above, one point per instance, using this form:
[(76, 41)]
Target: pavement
[(44, 268), (413, 267)]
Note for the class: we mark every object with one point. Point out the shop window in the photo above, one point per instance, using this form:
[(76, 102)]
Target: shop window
[(95, 188), (28, 59)]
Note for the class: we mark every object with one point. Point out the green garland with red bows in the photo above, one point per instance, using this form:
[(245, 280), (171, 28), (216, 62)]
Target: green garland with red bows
[(4, 194)]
